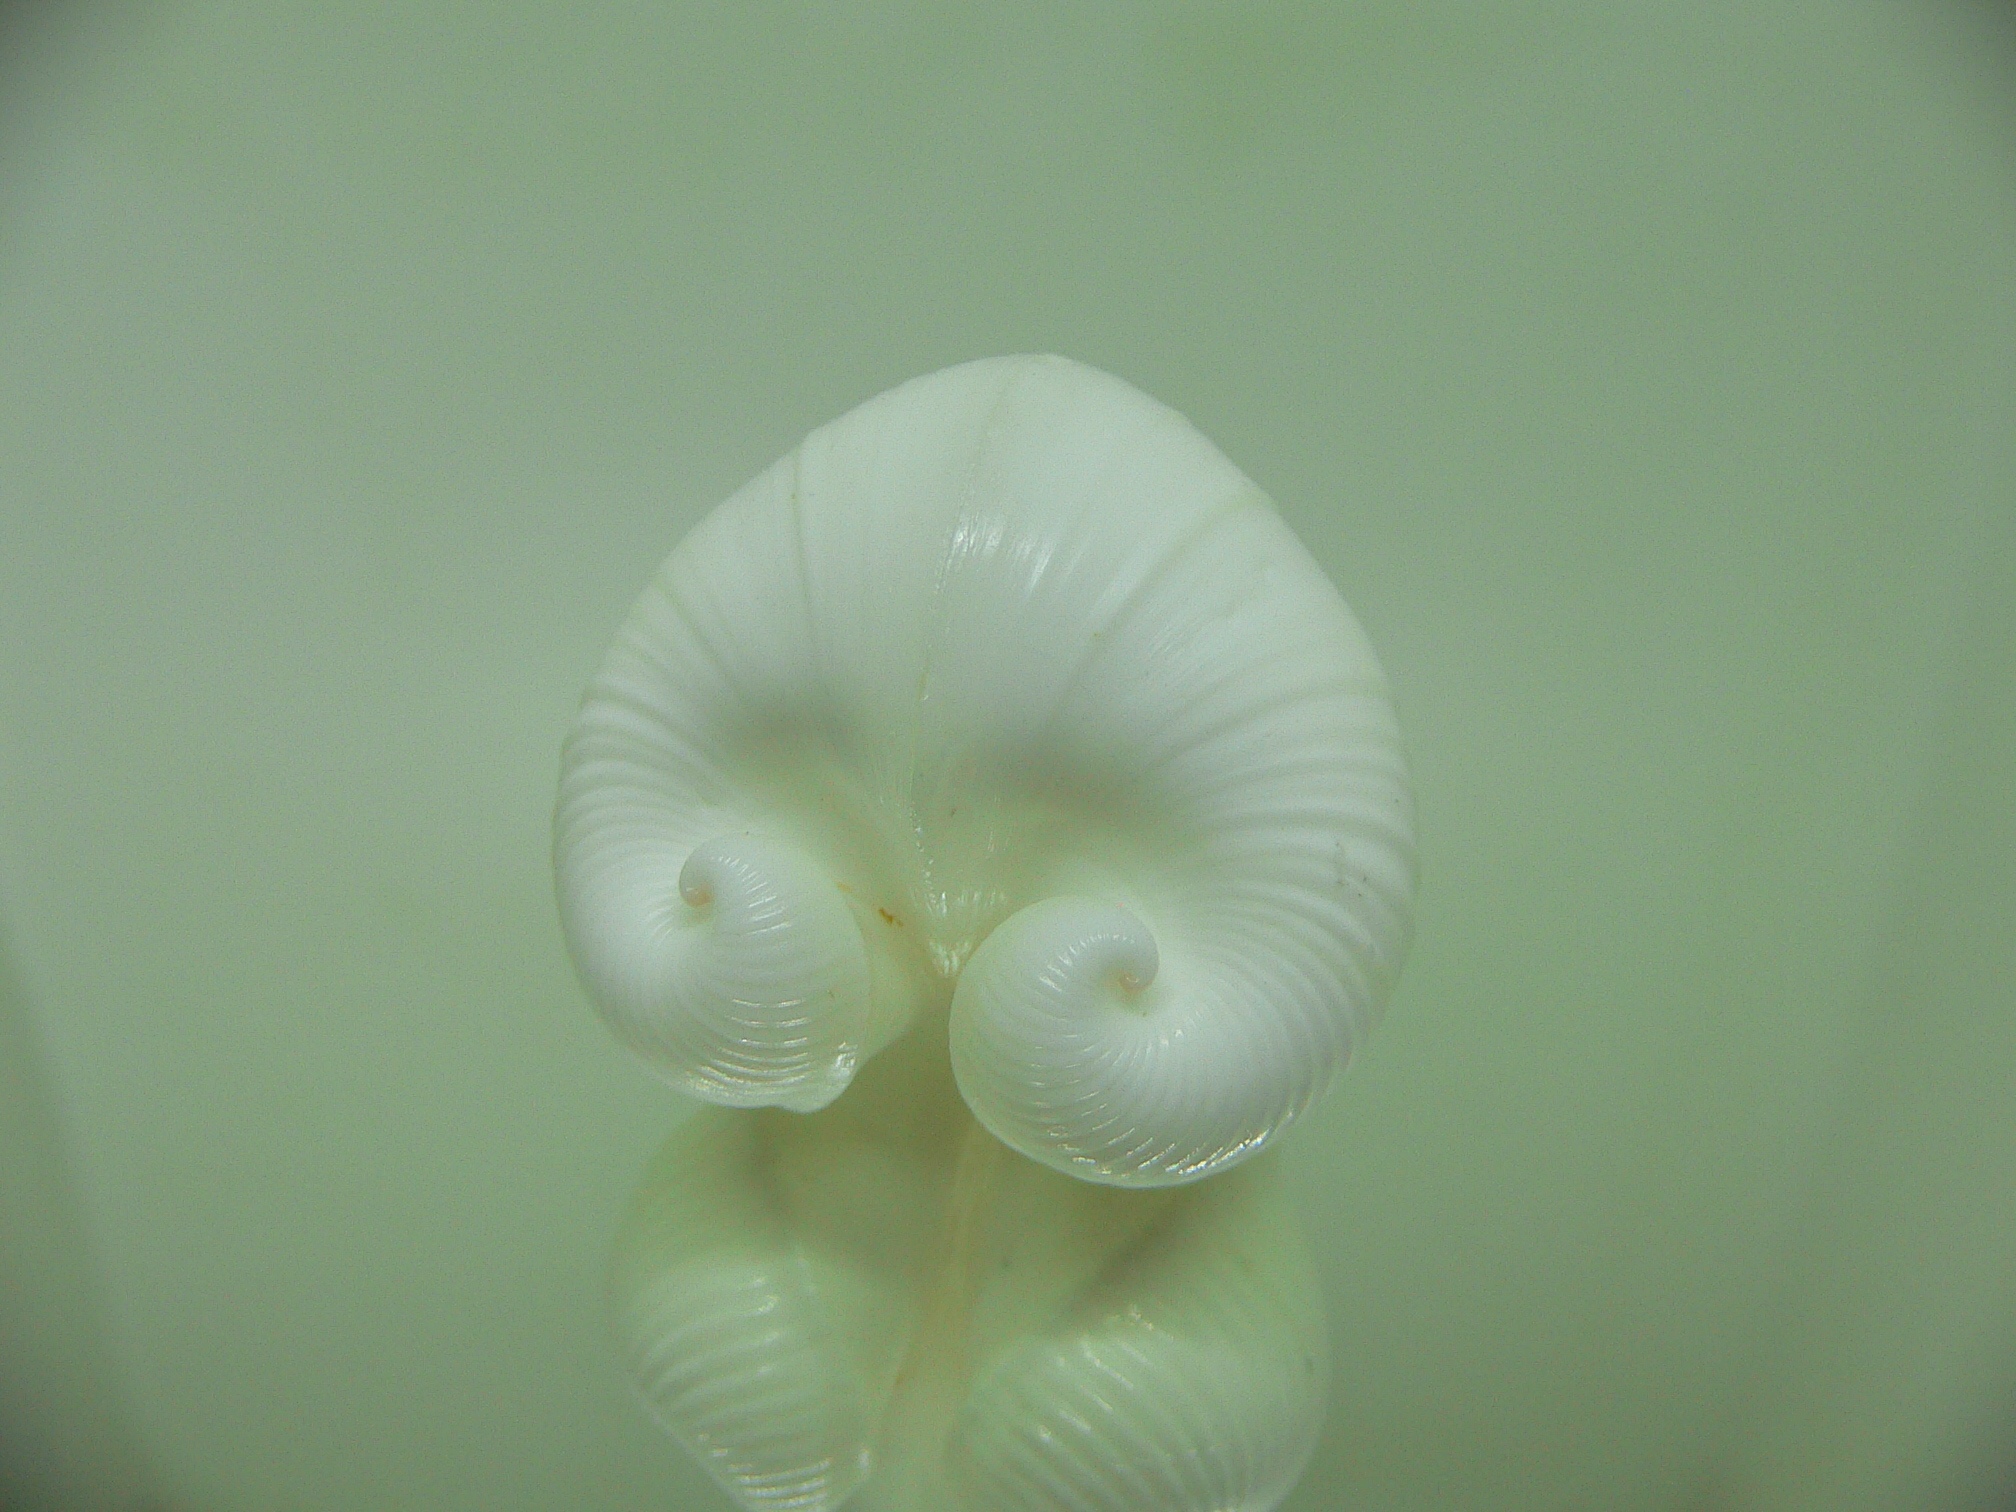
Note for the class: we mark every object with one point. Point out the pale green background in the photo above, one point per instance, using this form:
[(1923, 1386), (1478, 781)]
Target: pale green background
[(1644, 373)]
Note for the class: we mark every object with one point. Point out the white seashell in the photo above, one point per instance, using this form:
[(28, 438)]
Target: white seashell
[(1005, 695)]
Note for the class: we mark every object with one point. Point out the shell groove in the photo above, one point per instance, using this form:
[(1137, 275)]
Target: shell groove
[(1005, 695)]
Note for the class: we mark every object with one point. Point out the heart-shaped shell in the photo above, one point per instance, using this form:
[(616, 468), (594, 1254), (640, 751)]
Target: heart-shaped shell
[(1008, 694)]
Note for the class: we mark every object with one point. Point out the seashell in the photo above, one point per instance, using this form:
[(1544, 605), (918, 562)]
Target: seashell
[(1005, 697)]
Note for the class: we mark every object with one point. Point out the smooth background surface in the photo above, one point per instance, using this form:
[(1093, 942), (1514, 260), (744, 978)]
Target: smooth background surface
[(1644, 374)]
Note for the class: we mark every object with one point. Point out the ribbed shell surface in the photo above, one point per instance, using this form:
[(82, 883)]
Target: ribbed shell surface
[(1006, 695)]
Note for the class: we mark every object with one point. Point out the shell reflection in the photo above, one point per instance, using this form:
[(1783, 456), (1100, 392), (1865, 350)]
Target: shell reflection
[(880, 1305)]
